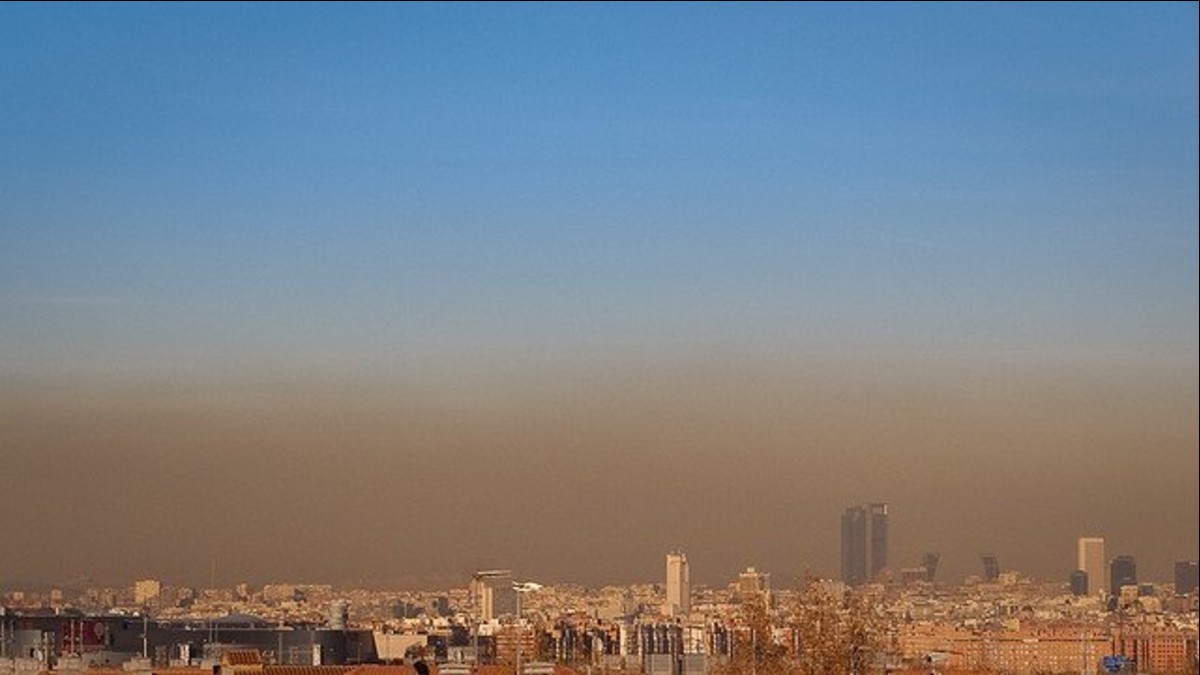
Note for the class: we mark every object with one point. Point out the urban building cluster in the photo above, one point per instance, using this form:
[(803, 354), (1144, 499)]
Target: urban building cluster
[(1102, 619)]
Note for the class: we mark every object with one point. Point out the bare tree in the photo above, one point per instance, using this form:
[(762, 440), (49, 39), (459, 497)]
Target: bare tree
[(754, 650), (840, 635), (836, 635)]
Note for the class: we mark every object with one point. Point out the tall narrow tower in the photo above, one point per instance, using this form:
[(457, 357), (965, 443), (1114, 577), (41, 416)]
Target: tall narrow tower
[(679, 591), (1092, 561), (879, 538), (854, 546)]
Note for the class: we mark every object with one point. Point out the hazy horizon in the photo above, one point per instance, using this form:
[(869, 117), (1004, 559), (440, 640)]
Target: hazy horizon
[(592, 476), (332, 293)]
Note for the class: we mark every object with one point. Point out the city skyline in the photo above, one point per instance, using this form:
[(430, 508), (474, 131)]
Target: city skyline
[(371, 292), (627, 629), (494, 592)]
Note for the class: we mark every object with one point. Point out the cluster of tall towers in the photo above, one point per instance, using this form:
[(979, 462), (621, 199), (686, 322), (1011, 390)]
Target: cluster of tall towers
[(864, 542), (865, 555), (1094, 574)]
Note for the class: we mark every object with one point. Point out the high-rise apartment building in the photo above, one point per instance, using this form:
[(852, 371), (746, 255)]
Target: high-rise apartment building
[(494, 594), (1122, 572), (753, 584), (1092, 561), (679, 590), (864, 542)]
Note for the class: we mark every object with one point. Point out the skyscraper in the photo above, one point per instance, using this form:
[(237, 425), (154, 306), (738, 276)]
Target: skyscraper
[(1091, 560), (930, 562), (879, 538), (1079, 583), (864, 542), (854, 546), (1186, 577), (1123, 572), (991, 566), (679, 592)]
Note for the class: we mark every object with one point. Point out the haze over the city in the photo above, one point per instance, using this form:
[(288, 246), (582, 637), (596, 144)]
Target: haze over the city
[(392, 293)]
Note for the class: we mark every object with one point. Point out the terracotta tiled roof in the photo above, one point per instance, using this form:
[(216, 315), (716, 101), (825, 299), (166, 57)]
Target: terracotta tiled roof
[(241, 657), (307, 670), (177, 670), (391, 670), (508, 670)]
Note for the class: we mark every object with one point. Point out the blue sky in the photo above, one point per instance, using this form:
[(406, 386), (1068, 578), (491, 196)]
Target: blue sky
[(188, 186)]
